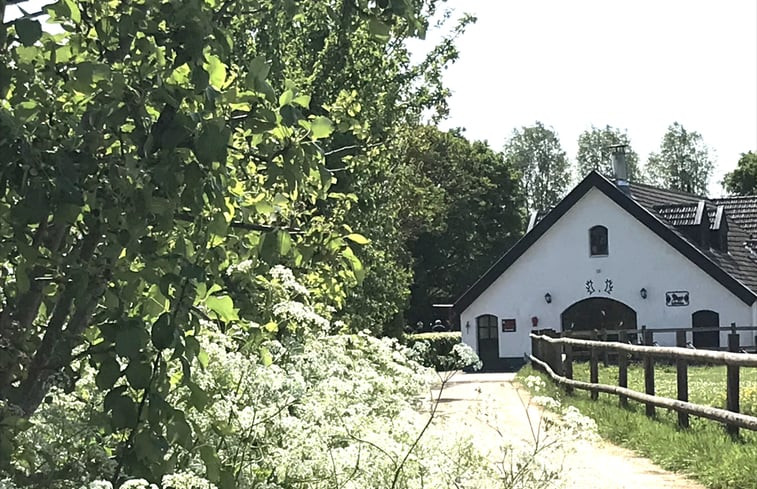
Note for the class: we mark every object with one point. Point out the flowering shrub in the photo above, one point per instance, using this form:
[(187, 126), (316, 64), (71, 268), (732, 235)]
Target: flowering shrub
[(306, 410), (442, 351)]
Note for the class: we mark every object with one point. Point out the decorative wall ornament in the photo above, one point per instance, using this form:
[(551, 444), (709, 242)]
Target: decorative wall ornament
[(677, 298), (608, 286), (590, 287)]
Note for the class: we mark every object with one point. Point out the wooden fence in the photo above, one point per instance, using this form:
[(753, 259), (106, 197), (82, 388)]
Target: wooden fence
[(555, 357)]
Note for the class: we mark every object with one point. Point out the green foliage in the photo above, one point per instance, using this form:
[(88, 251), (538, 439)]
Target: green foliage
[(151, 152), (472, 211), (436, 350), (593, 153), (536, 153), (683, 162), (361, 72), (743, 180)]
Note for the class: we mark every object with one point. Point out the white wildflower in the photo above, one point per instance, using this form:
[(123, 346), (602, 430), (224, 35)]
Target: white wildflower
[(285, 277), (300, 313), (577, 426), (100, 484), (464, 357), (7, 484), (535, 383), (138, 484), (546, 402), (186, 480), (245, 266)]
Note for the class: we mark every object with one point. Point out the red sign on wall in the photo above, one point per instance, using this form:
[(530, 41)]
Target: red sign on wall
[(508, 325)]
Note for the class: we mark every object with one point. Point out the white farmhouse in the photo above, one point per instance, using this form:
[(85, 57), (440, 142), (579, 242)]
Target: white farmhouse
[(619, 255)]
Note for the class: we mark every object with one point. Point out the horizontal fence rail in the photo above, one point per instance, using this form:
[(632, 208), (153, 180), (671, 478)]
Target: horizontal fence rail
[(722, 415), (554, 355), (712, 329), (715, 357)]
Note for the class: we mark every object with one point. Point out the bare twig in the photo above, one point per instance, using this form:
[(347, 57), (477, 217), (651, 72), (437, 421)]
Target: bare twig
[(437, 401)]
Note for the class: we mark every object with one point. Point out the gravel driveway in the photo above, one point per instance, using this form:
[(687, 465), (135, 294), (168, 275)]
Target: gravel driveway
[(595, 464)]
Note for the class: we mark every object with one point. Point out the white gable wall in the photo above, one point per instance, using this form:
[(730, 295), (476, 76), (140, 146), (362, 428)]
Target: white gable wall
[(559, 263)]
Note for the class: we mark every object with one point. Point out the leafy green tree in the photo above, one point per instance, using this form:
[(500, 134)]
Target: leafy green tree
[(536, 153), (743, 180), (379, 95), (593, 152), (683, 162), (476, 208), (147, 152)]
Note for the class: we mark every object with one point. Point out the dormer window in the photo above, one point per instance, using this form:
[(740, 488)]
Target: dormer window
[(598, 241)]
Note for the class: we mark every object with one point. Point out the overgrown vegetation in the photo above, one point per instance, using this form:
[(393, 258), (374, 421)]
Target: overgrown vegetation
[(440, 351), (170, 207), (704, 451)]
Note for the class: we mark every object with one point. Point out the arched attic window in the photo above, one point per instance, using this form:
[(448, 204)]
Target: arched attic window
[(598, 244)]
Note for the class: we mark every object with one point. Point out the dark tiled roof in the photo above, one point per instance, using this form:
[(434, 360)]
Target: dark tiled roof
[(649, 196), (678, 214), (742, 210), (739, 261)]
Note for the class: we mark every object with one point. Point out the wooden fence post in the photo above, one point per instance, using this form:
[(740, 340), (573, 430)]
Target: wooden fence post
[(605, 353), (594, 371), (732, 380), (623, 368), (568, 367), (535, 351), (682, 379), (648, 371), (555, 358)]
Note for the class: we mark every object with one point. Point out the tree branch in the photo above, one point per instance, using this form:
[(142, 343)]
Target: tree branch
[(43, 365), (246, 226), (351, 147)]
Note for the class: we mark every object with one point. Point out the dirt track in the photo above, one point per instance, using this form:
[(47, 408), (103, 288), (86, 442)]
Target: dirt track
[(595, 464)]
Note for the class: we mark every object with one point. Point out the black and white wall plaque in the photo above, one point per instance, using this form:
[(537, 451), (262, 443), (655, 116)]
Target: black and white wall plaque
[(677, 298)]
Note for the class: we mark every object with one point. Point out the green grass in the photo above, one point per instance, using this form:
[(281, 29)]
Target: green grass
[(706, 384), (704, 451)]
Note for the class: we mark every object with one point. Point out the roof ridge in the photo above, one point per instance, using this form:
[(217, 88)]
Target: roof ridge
[(735, 197), (673, 191)]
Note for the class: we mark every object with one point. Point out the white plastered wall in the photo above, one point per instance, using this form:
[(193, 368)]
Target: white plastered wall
[(559, 263)]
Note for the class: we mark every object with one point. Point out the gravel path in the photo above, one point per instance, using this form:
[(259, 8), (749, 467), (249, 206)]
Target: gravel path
[(596, 464)]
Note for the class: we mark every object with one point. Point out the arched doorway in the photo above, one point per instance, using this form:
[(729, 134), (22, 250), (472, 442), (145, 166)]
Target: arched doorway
[(598, 313), (706, 339), (488, 340)]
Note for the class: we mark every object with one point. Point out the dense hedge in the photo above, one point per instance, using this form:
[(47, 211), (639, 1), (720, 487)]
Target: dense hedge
[(434, 349)]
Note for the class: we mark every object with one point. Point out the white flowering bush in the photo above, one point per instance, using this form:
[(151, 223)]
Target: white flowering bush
[(442, 351), (305, 409), (298, 409)]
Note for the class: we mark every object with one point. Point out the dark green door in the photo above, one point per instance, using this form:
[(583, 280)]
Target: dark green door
[(488, 341), (706, 339)]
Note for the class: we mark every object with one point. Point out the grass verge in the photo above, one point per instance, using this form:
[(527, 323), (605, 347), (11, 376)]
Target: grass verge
[(704, 451)]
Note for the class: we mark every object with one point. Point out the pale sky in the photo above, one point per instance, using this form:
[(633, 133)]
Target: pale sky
[(637, 65)]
